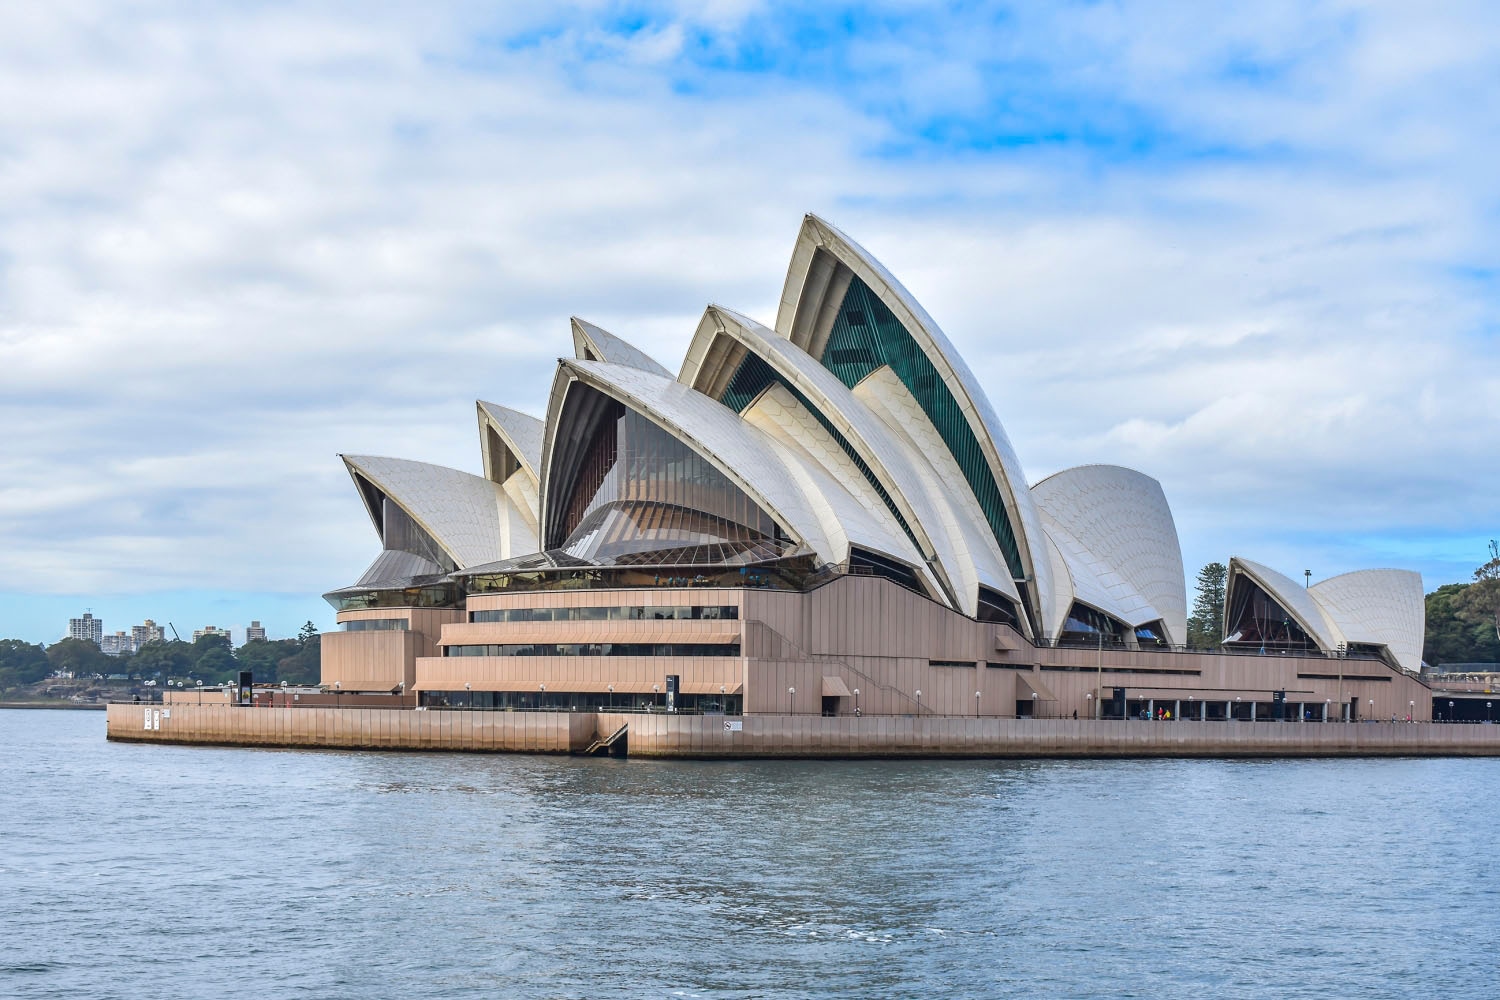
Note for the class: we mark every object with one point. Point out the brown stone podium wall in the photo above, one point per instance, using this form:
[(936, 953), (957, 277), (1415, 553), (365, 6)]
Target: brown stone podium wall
[(353, 728), (786, 735), (908, 736)]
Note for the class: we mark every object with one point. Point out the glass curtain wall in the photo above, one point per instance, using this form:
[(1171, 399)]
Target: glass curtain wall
[(1256, 619), (636, 495), (866, 335)]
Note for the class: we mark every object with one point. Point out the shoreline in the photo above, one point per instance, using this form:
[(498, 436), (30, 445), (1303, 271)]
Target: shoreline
[(785, 736)]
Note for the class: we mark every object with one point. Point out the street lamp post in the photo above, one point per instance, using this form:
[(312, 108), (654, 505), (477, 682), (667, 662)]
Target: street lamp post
[(790, 694), (1372, 709), (1034, 705), (1089, 700), (1411, 711), (469, 695), (856, 703), (919, 701), (976, 704), (338, 690)]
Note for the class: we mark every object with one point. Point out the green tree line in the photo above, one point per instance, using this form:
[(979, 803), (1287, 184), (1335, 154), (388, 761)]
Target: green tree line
[(209, 659)]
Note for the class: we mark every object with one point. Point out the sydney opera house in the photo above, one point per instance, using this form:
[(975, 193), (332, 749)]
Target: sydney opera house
[(823, 517)]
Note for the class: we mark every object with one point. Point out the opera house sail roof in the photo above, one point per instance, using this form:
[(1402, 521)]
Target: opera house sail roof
[(848, 438)]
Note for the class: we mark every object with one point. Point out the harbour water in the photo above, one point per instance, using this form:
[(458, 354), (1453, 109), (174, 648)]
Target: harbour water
[(160, 871)]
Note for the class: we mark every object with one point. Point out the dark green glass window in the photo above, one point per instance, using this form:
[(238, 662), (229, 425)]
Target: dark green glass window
[(754, 377), (866, 335)]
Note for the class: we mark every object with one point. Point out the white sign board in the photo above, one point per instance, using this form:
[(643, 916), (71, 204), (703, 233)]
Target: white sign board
[(734, 726), (148, 719)]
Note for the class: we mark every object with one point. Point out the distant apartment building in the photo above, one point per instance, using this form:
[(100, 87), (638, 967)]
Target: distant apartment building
[(255, 631), (147, 631), (88, 628), (117, 644), (213, 630)]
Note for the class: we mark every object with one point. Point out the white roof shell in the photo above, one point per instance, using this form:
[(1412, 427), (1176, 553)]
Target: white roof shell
[(1292, 596), (592, 343), (521, 433), (471, 518), (903, 470), (749, 457), (1382, 607), (1376, 607), (1005, 467), (1114, 529)]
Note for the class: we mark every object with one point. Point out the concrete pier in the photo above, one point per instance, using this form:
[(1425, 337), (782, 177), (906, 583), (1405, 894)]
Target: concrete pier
[(705, 736)]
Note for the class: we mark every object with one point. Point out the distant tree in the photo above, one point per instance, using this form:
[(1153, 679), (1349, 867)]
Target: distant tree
[(217, 664), (1206, 624), (173, 658), (304, 665), (1451, 638), (1480, 602), (262, 657), (211, 640), (80, 657), (22, 663)]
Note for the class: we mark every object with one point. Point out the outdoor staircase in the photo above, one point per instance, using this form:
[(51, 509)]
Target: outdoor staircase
[(614, 745)]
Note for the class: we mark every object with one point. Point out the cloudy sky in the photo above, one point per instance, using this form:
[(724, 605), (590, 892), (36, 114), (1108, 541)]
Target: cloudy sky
[(1254, 254)]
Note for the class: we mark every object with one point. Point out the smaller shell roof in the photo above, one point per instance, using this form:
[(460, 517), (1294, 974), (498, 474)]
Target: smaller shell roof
[(1292, 596), (521, 432), (740, 451), (1115, 523), (460, 511), (1381, 607), (593, 343)]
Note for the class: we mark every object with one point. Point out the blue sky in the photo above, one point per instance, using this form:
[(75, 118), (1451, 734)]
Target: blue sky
[(1251, 252)]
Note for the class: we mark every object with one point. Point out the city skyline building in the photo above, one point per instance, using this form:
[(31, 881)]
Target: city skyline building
[(213, 630), (255, 631), (147, 631), (88, 628)]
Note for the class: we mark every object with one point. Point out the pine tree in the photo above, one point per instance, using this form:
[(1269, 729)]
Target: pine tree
[(1206, 624)]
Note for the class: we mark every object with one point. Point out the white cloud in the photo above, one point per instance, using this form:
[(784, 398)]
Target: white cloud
[(233, 243)]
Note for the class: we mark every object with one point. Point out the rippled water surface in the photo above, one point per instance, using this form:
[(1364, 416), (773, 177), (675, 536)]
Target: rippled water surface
[(139, 871)]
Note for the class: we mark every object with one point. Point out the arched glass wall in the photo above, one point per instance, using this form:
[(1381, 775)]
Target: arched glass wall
[(1257, 619), (754, 376), (630, 493), (866, 335)]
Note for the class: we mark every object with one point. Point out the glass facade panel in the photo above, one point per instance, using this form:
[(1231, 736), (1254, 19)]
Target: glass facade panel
[(1256, 619), (595, 649), (866, 335), (1088, 627), (378, 625), (581, 701), (639, 496), (798, 573), (621, 613), (754, 376)]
